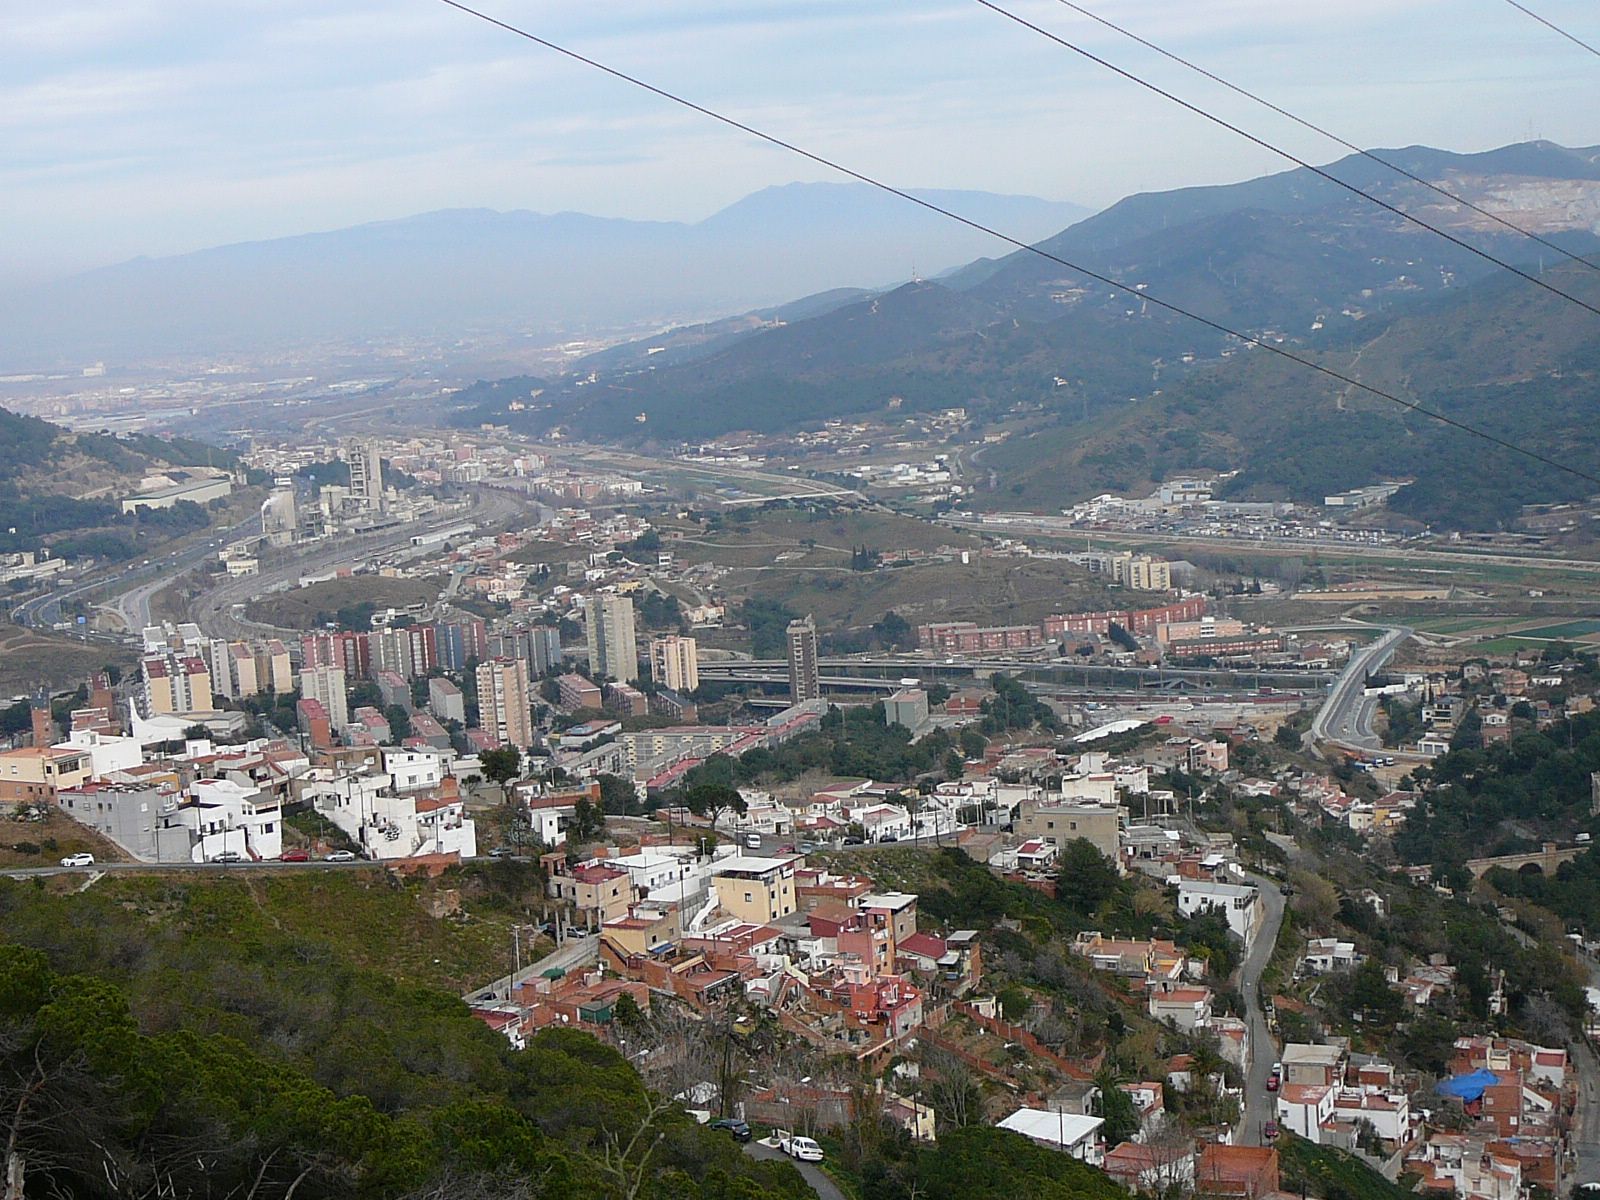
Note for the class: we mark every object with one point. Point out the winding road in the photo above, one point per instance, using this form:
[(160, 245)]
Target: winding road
[(1260, 1104)]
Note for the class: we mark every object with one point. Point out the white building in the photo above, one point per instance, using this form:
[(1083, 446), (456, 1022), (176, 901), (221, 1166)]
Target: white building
[(1326, 955), (1072, 1133), (412, 770), (107, 752), (387, 825), (224, 817), (671, 875), (327, 685), (1239, 903)]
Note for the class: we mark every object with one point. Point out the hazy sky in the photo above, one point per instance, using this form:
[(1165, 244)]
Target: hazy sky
[(157, 126)]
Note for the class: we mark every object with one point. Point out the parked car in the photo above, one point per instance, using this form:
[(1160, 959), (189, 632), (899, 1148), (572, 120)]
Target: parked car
[(501, 852), (855, 840), (227, 856), (340, 856), (295, 856), (889, 837), (788, 848), (803, 1149), (78, 860), (738, 1130)]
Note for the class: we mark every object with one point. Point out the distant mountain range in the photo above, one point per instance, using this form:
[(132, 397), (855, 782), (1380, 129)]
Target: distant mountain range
[(1290, 257), (470, 270)]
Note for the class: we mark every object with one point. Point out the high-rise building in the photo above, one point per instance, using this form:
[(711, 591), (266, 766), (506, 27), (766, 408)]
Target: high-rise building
[(326, 685), (803, 682), (273, 669), (352, 651), (544, 649), (503, 695), (675, 662), (366, 475), (460, 641), (176, 683), (613, 648)]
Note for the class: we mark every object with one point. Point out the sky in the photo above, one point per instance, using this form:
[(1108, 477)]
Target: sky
[(151, 127)]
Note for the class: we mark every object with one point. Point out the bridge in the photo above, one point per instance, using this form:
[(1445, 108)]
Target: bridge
[(1064, 671), (1547, 858)]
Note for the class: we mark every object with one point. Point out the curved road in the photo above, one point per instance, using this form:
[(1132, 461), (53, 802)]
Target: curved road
[(145, 578), (213, 611), (1346, 717)]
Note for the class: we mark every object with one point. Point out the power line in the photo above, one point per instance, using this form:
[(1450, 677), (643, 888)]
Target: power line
[(1018, 243), (1284, 154), (1331, 136), (1548, 24)]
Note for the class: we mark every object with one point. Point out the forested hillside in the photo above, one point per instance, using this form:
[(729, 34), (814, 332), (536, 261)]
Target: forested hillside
[(186, 1036), (58, 489), (1105, 390)]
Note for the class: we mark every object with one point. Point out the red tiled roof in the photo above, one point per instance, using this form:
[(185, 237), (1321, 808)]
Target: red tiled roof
[(923, 945)]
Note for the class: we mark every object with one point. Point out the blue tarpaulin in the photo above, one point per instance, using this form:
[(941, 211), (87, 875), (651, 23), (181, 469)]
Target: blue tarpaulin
[(1468, 1087)]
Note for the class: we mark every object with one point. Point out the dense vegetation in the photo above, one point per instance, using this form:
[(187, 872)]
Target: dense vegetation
[(850, 742), (171, 1041), (1330, 1173), (1503, 798), (978, 1164)]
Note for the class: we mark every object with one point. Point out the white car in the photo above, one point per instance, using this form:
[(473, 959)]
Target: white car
[(802, 1148), (339, 856), (78, 860)]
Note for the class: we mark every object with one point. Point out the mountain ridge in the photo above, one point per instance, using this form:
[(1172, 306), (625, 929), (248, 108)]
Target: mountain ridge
[(1289, 258), (473, 269)]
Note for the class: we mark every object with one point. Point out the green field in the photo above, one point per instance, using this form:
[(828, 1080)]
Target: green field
[(1452, 624), (1566, 629)]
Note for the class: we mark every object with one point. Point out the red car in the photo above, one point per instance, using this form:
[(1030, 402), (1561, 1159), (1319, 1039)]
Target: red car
[(294, 856)]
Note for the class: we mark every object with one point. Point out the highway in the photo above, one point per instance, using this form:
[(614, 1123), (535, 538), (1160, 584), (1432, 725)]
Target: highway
[(133, 587), (214, 611), (907, 667), (1345, 719), (138, 582)]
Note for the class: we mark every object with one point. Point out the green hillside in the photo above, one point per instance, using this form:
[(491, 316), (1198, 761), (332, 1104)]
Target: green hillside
[(58, 489), (1114, 391), (1520, 363)]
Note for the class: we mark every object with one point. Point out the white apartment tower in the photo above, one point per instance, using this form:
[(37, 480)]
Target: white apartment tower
[(675, 662), (327, 685), (613, 647)]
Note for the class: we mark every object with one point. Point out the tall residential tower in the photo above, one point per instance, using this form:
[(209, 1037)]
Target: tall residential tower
[(613, 648), (803, 682)]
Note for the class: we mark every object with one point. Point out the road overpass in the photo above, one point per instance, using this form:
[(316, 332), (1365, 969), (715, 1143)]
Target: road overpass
[(1345, 718), (1063, 669)]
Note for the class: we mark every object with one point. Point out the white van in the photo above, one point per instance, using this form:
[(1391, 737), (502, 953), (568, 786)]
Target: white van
[(752, 841)]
